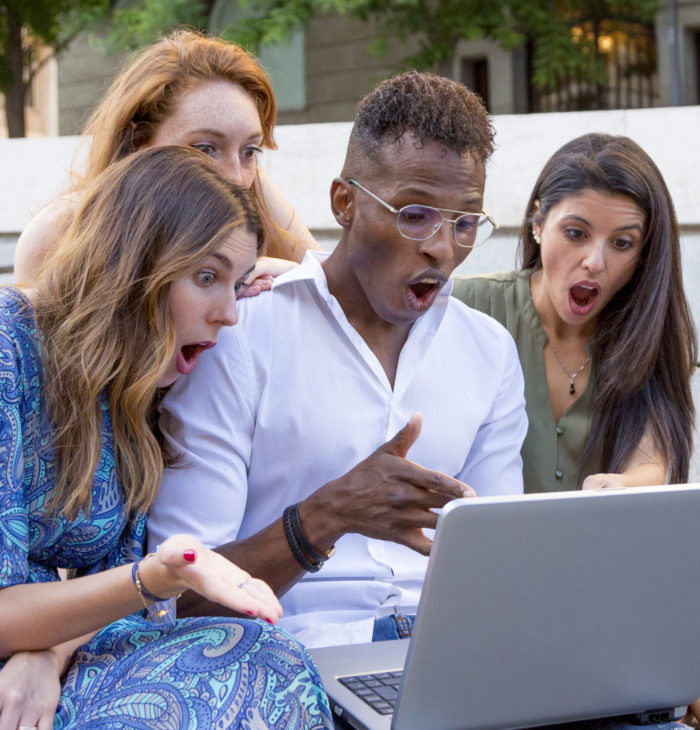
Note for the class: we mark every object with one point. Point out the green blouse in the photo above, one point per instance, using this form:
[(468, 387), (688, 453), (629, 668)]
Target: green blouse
[(550, 451)]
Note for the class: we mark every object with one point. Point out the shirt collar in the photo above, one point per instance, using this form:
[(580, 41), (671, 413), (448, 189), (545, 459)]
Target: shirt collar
[(309, 269)]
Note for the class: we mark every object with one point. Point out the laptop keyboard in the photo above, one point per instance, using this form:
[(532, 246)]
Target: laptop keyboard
[(380, 691)]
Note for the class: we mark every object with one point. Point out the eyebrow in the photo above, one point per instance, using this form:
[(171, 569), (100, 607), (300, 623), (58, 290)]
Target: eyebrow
[(630, 227), (409, 191), (225, 260), (221, 134)]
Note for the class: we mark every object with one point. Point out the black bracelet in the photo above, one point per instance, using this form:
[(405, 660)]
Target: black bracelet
[(303, 541), (297, 552)]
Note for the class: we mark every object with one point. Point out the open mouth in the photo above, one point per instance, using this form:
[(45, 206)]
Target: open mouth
[(423, 288), (188, 355), (422, 292), (583, 297)]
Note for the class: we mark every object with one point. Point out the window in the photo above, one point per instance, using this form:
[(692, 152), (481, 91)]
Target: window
[(284, 62), (474, 73)]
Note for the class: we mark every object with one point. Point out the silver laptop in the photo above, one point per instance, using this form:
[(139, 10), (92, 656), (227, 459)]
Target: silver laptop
[(542, 609)]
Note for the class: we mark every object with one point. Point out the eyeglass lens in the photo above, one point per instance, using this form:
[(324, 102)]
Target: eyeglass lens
[(420, 222)]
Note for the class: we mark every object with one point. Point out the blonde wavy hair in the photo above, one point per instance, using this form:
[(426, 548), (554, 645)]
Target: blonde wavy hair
[(143, 94), (101, 304)]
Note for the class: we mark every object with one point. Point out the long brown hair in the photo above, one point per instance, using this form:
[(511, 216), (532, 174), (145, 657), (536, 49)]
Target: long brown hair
[(644, 345), (144, 93), (101, 304)]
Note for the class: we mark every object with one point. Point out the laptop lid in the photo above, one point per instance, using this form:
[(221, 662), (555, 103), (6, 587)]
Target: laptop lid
[(549, 608)]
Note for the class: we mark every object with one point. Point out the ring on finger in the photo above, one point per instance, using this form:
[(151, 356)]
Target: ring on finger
[(27, 727)]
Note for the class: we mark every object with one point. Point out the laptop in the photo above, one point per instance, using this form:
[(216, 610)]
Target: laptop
[(541, 609)]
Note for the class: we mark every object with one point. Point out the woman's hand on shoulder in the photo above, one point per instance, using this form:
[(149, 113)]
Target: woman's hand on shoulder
[(266, 270), (217, 579), (30, 688)]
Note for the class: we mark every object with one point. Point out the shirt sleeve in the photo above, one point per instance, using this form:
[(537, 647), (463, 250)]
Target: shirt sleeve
[(207, 420), (14, 524), (494, 465)]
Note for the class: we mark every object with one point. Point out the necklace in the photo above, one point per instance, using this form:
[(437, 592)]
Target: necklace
[(573, 375)]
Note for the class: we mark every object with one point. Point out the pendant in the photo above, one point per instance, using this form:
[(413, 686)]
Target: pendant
[(572, 390)]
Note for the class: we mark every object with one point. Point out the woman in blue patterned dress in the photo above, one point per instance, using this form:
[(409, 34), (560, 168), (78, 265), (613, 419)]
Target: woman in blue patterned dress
[(135, 291)]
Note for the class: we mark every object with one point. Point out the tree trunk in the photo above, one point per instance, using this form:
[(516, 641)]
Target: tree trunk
[(16, 91)]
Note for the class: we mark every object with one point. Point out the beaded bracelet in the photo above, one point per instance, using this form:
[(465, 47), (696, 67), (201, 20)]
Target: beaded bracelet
[(146, 595)]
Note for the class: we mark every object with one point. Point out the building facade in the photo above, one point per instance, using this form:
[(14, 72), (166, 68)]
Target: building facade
[(320, 74)]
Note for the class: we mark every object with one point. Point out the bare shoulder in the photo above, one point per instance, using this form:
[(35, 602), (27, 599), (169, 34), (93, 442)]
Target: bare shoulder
[(284, 216), (39, 236)]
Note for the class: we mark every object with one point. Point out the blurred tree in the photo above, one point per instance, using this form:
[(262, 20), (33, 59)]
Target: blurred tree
[(30, 28), (26, 27)]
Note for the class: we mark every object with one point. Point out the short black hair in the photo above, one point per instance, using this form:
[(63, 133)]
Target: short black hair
[(432, 108)]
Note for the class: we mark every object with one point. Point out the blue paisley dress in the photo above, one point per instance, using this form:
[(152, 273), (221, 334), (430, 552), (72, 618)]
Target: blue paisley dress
[(188, 673)]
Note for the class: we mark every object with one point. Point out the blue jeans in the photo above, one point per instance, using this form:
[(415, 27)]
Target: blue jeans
[(393, 626)]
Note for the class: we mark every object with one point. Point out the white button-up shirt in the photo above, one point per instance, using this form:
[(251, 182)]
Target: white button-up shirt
[(292, 397)]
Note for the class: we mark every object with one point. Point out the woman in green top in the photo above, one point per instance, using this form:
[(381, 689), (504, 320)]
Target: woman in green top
[(601, 322)]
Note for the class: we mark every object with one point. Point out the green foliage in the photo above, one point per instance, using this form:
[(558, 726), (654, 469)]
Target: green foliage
[(547, 26), (273, 21), (28, 26), (146, 20), (27, 29), (53, 23)]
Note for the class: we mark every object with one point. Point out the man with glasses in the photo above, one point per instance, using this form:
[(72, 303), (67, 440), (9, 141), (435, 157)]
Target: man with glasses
[(294, 431)]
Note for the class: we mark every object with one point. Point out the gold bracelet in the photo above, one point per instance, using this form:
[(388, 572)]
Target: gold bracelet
[(144, 594)]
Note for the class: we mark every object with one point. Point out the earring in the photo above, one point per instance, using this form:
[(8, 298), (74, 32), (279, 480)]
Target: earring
[(536, 236)]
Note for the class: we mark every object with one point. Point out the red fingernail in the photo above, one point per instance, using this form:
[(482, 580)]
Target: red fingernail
[(269, 620), (250, 613), (189, 556)]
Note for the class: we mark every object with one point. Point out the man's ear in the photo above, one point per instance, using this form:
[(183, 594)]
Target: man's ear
[(342, 201)]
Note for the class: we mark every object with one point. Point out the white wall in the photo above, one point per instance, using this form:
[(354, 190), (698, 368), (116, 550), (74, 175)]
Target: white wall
[(310, 155)]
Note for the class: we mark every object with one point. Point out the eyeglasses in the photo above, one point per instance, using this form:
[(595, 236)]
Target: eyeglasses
[(421, 222)]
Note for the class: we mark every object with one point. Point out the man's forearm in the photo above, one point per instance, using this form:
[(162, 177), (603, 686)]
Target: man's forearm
[(268, 556)]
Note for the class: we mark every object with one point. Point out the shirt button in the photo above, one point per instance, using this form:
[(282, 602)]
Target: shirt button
[(558, 473), (559, 430)]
